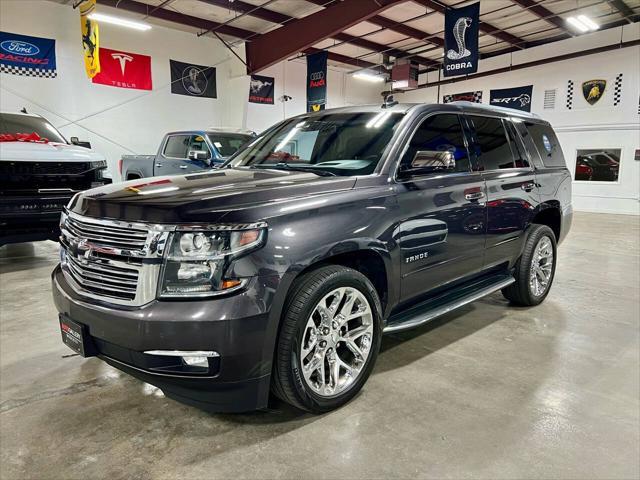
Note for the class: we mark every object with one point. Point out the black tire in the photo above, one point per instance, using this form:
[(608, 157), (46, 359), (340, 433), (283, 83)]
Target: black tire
[(307, 291), (520, 292)]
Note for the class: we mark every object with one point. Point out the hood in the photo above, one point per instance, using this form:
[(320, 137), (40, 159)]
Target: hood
[(206, 196), (46, 152)]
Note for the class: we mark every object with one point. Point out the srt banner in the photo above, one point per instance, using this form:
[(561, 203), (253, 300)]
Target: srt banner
[(124, 70), (461, 40), (518, 98), (28, 56), (261, 89), (193, 80), (316, 81), (90, 38), (475, 97)]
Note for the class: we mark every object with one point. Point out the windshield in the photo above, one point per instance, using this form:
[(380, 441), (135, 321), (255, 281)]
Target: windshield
[(14, 123), (228, 143), (335, 143)]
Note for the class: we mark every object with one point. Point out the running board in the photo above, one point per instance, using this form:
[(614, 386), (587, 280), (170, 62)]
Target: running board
[(438, 306)]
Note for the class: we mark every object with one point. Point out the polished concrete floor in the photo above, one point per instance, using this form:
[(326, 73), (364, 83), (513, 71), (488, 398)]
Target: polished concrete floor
[(490, 391)]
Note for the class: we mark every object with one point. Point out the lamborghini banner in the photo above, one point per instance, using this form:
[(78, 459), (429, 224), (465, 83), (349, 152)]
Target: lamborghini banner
[(90, 38)]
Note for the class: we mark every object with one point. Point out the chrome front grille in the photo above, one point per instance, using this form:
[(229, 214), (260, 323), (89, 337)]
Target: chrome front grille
[(112, 261)]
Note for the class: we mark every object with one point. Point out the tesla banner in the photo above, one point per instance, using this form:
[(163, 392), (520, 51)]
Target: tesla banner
[(517, 97), (461, 40), (193, 80), (124, 70), (316, 81), (28, 56), (261, 89)]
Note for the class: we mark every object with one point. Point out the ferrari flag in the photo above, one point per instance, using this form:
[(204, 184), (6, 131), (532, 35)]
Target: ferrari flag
[(124, 70), (90, 38)]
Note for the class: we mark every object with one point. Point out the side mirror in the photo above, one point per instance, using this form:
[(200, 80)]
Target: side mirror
[(79, 143), (429, 161), (200, 155)]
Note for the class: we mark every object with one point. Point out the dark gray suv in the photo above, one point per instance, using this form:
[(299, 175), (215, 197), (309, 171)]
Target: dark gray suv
[(280, 271)]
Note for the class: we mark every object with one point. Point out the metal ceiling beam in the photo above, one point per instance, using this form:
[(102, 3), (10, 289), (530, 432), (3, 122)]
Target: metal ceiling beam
[(544, 13), (394, 26), (282, 19), (484, 27), (623, 9), (203, 24), (271, 47)]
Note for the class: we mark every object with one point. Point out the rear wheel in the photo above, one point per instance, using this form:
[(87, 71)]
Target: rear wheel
[(535, 270), (329, 339)]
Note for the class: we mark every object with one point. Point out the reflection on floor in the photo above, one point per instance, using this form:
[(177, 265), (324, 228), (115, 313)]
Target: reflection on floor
[(490, 391)]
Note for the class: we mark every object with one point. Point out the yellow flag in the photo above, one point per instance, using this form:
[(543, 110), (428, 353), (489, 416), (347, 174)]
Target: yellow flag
[(90, 38)]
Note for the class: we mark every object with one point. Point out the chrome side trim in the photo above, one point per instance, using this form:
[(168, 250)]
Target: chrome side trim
[(183, 353), (429, 315)]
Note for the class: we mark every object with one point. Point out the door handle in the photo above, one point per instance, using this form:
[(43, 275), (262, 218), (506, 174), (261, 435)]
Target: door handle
[(158, 164), (474, 195), (183, 167), (527, 187)]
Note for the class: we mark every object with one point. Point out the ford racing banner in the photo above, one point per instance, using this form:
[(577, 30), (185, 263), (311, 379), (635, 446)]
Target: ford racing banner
[(90, 38), (124, 70), (28, 56), (517, 97), (193, 80), (461, 40), (316, 81), (261, 89)]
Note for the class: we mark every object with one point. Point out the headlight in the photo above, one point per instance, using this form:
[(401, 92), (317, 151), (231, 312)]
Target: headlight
[(197, 259)]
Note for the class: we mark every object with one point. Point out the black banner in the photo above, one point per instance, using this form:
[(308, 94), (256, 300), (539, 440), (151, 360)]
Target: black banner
[(461, 40), (316, 81), (193, 80), (517, 97), (261, 89)]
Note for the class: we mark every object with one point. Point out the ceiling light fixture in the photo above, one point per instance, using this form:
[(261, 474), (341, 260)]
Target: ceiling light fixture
[(369, 77), (583, 23), (101, 17)]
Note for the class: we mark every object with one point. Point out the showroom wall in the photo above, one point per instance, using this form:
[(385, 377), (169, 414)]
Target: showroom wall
[(602, 125), (121, 121)]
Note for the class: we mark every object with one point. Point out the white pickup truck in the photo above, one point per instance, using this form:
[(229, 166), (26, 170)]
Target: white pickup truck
[(39, 173)]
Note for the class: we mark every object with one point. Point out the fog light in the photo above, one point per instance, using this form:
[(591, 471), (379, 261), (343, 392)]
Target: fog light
[(196, 361)]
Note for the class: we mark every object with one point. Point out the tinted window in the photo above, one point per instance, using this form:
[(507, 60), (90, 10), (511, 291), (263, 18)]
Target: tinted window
[(339, 143), (228, 144), (490, 144), (14, 123), (517, 148), (442, 133), (177, 146), (547, 144)]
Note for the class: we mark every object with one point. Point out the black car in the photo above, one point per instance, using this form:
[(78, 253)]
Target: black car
[(281, 271)]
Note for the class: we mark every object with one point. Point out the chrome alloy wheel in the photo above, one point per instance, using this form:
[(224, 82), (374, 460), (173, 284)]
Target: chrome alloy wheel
[(541, 267), (336, 342)]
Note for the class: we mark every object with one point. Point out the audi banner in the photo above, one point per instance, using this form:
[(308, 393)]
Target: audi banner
[(461, 40), (316, 81)]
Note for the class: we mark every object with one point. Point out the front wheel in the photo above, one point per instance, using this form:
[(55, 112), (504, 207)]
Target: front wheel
[(329, 339), (536, 268)]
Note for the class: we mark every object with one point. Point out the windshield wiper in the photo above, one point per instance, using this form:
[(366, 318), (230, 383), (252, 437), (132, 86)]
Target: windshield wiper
[(296, 168)]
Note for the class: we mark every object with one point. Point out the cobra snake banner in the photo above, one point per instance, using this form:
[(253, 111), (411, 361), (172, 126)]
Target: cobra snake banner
[(461, 40), (90, 38)]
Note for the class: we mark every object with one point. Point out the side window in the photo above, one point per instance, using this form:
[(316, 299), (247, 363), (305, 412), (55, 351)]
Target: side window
[(517, 148), (177, 146), (491, 146), (441, 132), (198, 143), (547, 144)]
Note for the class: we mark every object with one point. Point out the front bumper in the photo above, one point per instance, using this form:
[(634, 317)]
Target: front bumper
[(237, 327)]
